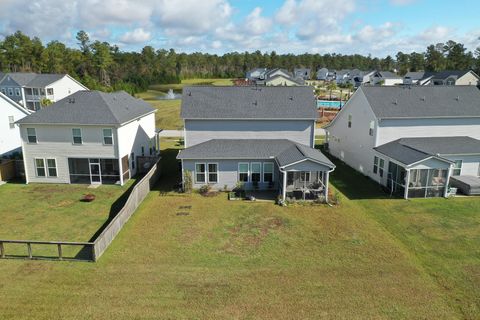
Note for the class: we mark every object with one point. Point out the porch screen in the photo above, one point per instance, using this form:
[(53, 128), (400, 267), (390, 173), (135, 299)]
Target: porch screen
[(425, 183)]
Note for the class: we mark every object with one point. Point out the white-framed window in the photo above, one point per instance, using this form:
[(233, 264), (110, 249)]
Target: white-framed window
[(243, 172), (107, 137), (4, 91), (457, 168), (375, 164), (349, 120), (200, 173), (52, 167), (305, 176), (212, 172), (381, 166), (31, 135), (10, 91), (42, 91), (372, 128), (11, 122), (77, 136), (50, 91), (40, 167), (17, 92), (132, 159), (255, 171), (267, 172)]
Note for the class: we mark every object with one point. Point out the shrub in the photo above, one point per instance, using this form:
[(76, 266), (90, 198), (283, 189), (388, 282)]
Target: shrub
[(205, 189), (187, 181)]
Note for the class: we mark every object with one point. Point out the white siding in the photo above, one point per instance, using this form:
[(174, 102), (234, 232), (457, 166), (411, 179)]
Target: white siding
[(198, 131), (470, 164), (469, 79), (9, 138), (63, 88), (280, 81)]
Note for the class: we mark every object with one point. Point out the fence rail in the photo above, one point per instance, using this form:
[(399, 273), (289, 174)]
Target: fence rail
[(93, 250)]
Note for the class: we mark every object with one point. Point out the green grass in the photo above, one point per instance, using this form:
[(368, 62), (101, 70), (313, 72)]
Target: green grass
[(365, 259)]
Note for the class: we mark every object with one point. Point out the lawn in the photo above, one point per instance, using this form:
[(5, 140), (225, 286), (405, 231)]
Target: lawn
[(189, 257)]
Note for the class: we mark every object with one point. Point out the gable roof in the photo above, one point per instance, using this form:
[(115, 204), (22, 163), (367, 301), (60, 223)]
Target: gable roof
[(412, 150), (21, 78), (91, 108), (2, 74), (443, 75), (423, 101), (388, 75), (298, 81), (271, 72), (248, 102), (285, 152), (14, 104), (43, 80)]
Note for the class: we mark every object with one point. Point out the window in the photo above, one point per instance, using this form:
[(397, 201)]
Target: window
[(31, 135), (268, 172), (381, 166), (143, 151), (17, 92), (375, 164), (132, 158), (243, 172), (52, 167), (372, 127), (305, 176), (10, 91), (77, 136), (349, 120), (200, 173), (4, 91), (50, 91), (256, 171), (212, 172), (42, 91), (107, 137), (11, 122), (457, 169), (40, 167)]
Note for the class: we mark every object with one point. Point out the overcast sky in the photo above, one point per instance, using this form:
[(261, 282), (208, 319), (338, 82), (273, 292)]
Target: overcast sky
[(377, 27)]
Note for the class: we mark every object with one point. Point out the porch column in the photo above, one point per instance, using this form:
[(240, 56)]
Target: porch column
[(445, 193), (326, 175), (407, 182), (120, 169), (284, 188)]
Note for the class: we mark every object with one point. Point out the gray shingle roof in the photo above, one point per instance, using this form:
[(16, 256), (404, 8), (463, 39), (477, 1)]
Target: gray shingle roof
[(91, 108), (388, 74), (412, 150), (284, 151), (2, 75), (298, 81), (21, 78), (442, 75), (43, 80), (423, 101), (238, 102)]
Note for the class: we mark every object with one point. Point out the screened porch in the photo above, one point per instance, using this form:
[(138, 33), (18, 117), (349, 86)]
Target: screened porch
[(94, 171), (306, 185)]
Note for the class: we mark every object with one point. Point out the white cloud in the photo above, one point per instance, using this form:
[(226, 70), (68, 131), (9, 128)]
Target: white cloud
[(136, 36), (256, 24), (402, 2)]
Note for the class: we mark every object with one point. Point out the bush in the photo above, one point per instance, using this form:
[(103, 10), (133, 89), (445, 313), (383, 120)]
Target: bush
[(187, 181)]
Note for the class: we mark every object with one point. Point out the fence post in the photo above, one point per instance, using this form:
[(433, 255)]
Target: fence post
[(29, 247), (2, 250), (60, 256)]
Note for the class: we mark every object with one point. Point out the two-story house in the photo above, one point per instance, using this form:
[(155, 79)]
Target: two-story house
[(259, 137), (302, 73), (413, 140), (385, 78), (89, 137), (10, 111), (29, 89)]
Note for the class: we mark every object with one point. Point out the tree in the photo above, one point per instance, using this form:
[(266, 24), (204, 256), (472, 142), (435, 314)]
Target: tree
[(434, 59), (83, 41), (330, 87), (102, 59)]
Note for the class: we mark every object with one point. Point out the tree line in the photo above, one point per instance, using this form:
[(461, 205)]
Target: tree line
[(101, 65)]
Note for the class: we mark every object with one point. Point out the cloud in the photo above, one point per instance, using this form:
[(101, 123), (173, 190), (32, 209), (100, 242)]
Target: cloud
[(136, 36), (402, 2), (256, 24)]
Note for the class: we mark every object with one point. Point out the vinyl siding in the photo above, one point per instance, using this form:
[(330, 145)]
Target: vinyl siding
[(470, 164), (64, 87), (467, 80), (9, 138)]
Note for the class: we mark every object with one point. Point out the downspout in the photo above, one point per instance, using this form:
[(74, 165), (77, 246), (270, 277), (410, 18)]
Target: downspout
[(326, 187)]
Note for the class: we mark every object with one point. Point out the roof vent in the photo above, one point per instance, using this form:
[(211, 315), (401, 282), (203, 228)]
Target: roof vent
[(395, 101), (189, 93), (71, 100), (423, 98), (255, 103), (457, 98), (291, 98)]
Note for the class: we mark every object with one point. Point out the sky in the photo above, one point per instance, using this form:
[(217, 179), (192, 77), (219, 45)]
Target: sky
[(376, 27)]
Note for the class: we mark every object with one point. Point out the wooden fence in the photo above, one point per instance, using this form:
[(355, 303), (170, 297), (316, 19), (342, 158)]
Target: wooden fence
[(7, 170), (92, 251)]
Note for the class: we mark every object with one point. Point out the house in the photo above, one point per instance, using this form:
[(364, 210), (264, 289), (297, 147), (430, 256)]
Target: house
[(259, 137), (411, 139), (282, 80), (420, 78), (455, 77), (302, 73), (385, 78), (10, 111), (361, 78), (89, 137), (322, 74), (343, 76), (256, 74), (29, 89)]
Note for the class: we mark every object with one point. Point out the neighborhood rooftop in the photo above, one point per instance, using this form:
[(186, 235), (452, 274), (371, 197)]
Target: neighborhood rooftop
[(250, 102), (423, 101), (33, 80), (284, 151), (412, 150), (91, 108)]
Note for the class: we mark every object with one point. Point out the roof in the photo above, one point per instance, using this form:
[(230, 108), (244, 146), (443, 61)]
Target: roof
[(2, 74), (423, 101), (388, 74), (442, 75), (285, 152), (271, 71), (43, 80), (298, 81), (415, 75), (21, 78), (248, 102), (412, 150), (91, 108)]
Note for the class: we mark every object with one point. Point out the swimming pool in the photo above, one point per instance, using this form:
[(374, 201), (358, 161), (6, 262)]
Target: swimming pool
[(330, 104)]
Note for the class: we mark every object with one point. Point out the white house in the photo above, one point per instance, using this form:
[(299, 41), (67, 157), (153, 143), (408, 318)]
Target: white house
[(410, 139), (10, 111), (29, 89), (89, 137), (385, 78), (282, 80), (456, 77)]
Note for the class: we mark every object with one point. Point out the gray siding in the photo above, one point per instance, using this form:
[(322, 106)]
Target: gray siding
[(470, 164), (228, 173), (198, 131)]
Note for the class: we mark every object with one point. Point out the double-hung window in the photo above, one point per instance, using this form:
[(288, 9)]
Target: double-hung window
[(200, 172), (375, 164), (132, 159), (31, 135), (256, 168), (243, 172), (17, 92), (50, 91), (52, 167), (10, 91), (40, 167), (457, 169), (11, 122), (268, 172), (349, 120), (107, 137), (77, 135), (372, 128), (212, 173), (381, 166)]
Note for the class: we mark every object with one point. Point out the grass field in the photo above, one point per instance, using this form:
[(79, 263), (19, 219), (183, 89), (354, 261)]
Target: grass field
[(190, 257), (168, 114)]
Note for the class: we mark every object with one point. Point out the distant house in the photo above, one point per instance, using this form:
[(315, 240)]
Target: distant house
[(256, 74), (259, 137), (385, 78), (10, 111), (361, 78), (420, 78), (302, 73), (455, 77), (413, 140), (29, 89), (89, 137), (343, 76), (282, 80), (322, 74), (273, 72)]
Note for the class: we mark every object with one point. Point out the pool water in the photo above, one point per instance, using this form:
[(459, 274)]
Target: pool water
[(330, 104)]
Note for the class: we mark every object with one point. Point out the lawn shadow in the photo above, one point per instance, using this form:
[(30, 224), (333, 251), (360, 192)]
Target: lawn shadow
[(171, 171)]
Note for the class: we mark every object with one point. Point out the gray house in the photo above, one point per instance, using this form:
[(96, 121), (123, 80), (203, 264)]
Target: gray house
[(260, 137), (302, 73)]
